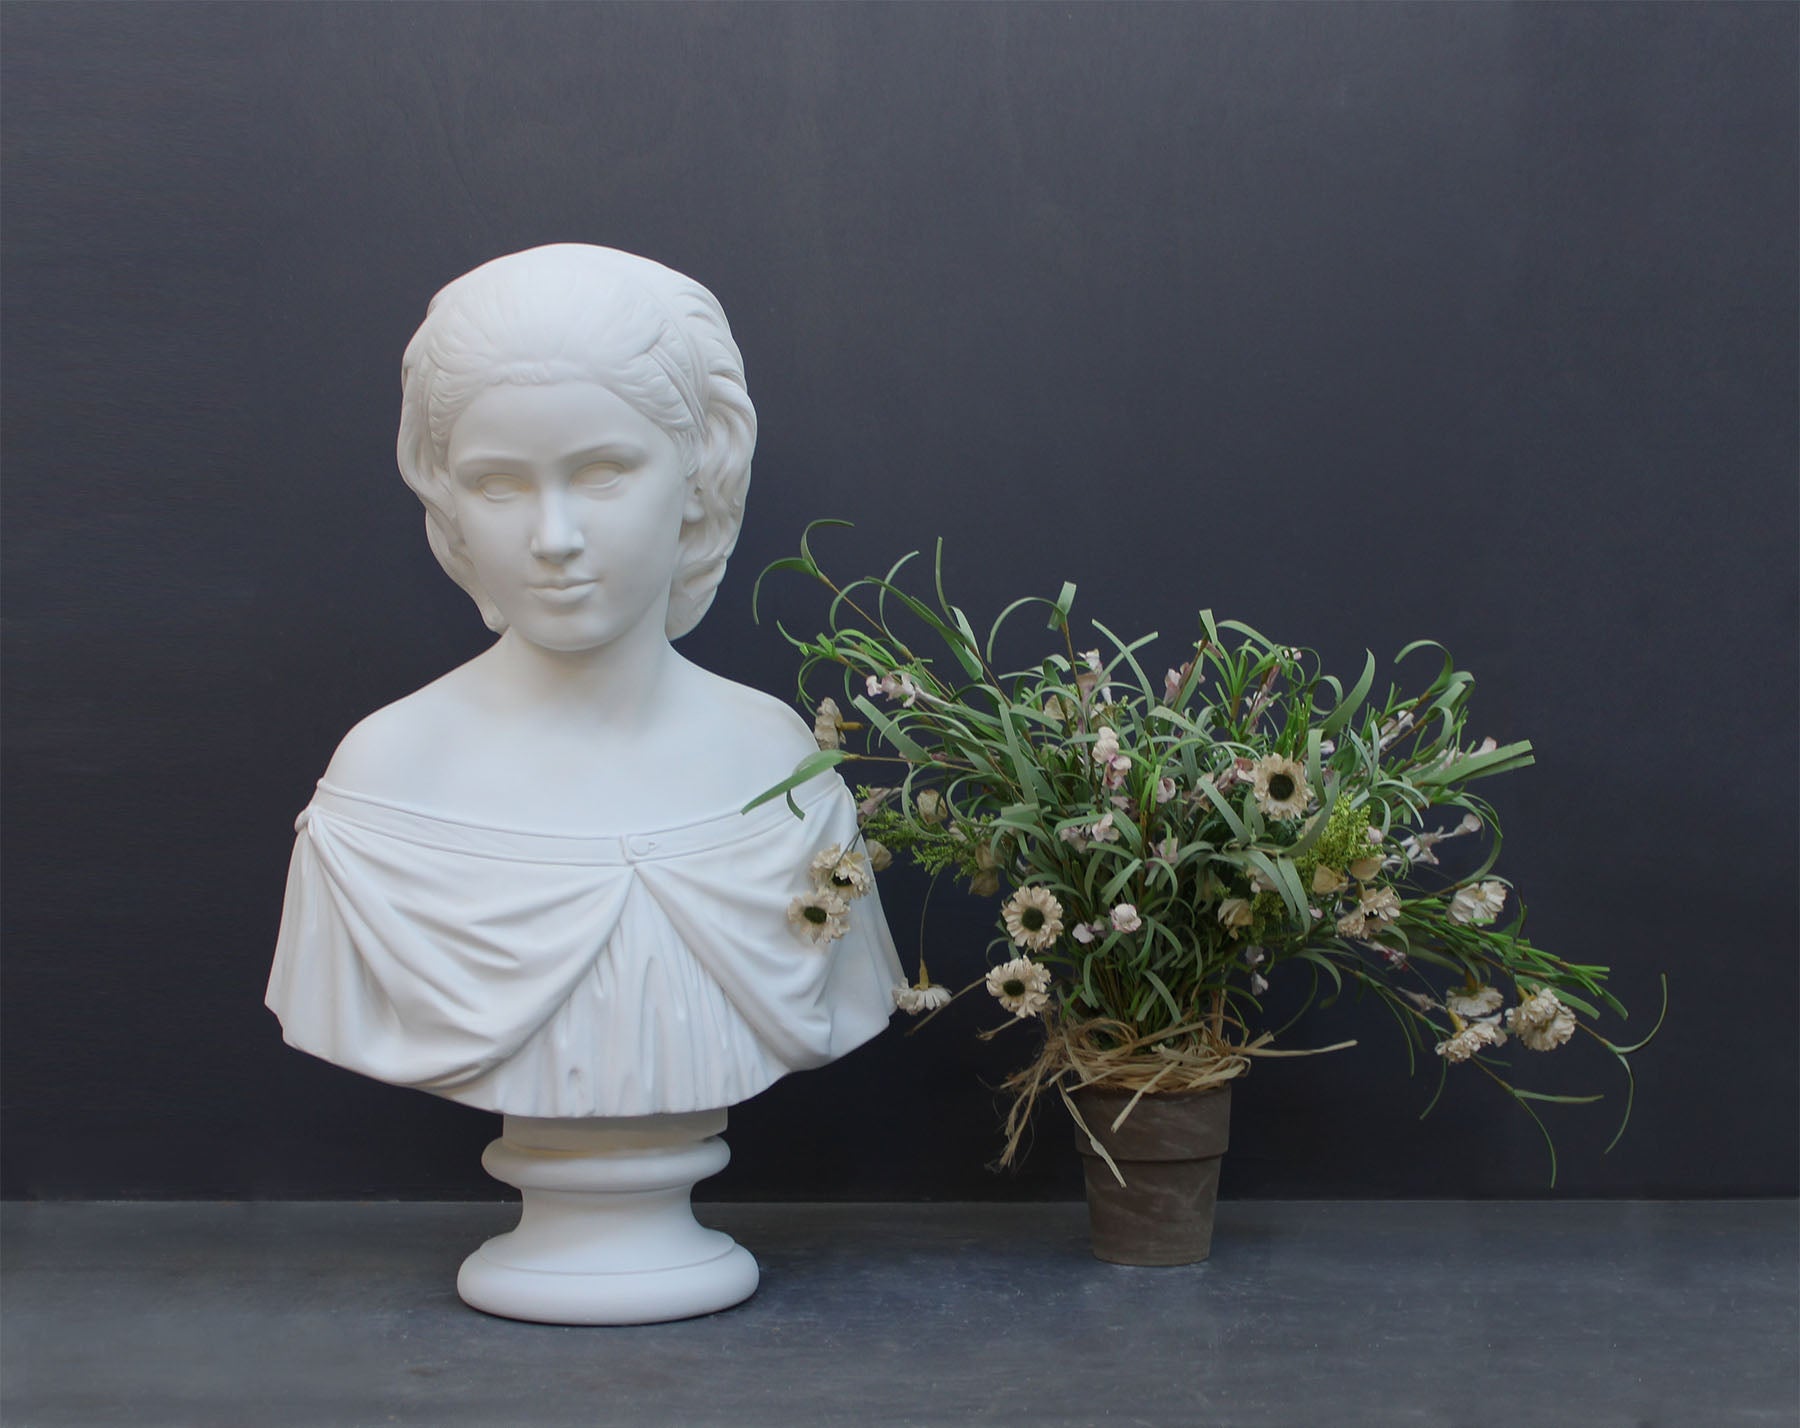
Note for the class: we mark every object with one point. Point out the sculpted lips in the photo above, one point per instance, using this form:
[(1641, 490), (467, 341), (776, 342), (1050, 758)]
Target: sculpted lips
[(563, 592)]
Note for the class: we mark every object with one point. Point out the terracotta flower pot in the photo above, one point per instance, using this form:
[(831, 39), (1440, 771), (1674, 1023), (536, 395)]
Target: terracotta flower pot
[(1169, 1151)]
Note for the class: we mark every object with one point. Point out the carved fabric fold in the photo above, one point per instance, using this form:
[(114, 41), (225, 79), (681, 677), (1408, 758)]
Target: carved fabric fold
[(547, 975)]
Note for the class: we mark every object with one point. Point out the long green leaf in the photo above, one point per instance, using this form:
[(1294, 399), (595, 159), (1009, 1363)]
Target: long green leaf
[(808, 768)]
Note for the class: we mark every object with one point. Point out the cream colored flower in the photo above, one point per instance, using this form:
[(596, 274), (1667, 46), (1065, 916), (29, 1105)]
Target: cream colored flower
[(1165, 789), (1234, 913), (1471, 1039), (1258, 984), (986, 882), (1353, 924), (880, 858), (1479, 903), (921, 999), (1379, 904), (1327, 879), (1281, 790), (1469, 1005), (1106, 746), (1365, 868), (828, 725), (1033, 917), (820, 916), (1125, 918), (847, 874), (1261, 882), (1541, 1021), (1021, 986), (930, 807)]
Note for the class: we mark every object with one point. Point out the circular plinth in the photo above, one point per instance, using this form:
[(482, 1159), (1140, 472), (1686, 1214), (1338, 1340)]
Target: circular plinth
[(645, 1296), (606, 1232)]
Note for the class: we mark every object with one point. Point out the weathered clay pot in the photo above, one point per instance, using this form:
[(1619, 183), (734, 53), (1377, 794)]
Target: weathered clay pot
[(1168, 1151)]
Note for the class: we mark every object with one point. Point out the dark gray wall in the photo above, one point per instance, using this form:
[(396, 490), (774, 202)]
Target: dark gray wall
[(1360, 323)]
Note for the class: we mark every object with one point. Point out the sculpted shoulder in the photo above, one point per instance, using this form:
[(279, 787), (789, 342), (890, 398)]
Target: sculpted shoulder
[(758, 727), (388, 753)]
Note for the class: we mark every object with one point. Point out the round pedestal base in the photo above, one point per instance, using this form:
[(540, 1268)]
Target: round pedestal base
[(606, 1233)]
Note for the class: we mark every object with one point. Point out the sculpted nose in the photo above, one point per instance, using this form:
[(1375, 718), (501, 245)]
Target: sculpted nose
[(556, 537)]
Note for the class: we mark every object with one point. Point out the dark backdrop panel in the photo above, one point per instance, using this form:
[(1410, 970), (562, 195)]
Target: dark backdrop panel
[(1359, 323)]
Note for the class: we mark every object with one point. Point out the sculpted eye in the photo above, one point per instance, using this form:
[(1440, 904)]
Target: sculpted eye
[(598, 477), (500, 488)]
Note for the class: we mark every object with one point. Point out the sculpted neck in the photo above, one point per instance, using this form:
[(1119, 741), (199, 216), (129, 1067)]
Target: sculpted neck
[(622, 685)]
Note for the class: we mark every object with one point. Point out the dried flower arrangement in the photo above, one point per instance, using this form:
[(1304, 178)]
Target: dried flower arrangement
[(1170, 845)]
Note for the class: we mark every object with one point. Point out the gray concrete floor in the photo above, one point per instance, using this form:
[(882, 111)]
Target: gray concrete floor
[(1539, 1314)]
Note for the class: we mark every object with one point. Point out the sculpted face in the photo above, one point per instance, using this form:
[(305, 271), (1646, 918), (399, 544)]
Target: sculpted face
[(570, 505)]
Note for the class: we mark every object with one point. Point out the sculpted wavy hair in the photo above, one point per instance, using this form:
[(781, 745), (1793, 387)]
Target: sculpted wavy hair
[(575, 312)]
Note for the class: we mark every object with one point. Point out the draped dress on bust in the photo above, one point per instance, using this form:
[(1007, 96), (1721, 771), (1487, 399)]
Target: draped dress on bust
[(553, 975)]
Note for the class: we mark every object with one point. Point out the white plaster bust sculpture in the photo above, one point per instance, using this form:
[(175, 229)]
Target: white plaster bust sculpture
[(527, 886)]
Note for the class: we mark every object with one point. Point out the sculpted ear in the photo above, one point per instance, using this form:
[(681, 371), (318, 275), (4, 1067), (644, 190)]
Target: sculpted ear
[(693, 509)]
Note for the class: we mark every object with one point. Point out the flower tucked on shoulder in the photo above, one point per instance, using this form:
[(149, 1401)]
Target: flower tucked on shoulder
[(1479, 903), (819, 916), (1281, 790), (828, 724), (1471, 1039), (914, 1000), (1021, 986), (846, 873), (1541, 1021), (1033, 918), (1470, 1005)]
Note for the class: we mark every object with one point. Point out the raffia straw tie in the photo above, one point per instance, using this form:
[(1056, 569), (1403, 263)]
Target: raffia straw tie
[(1188, 1058)]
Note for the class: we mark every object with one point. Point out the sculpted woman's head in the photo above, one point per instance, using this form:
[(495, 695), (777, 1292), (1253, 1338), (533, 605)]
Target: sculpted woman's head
[(575, 317)]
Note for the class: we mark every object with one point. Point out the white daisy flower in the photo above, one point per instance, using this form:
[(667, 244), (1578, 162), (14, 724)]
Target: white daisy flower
[(1479, 903), (1033, 917), (1541, 1021), (847, 874), (1281, 790), (1021, 986), (828, 724), (921, 999), (1471, 1039), (1469, 1005), (820, 916), (1125, 918)]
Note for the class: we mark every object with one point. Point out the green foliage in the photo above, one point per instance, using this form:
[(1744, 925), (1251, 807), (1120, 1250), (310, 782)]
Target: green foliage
[(1088, 775)]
